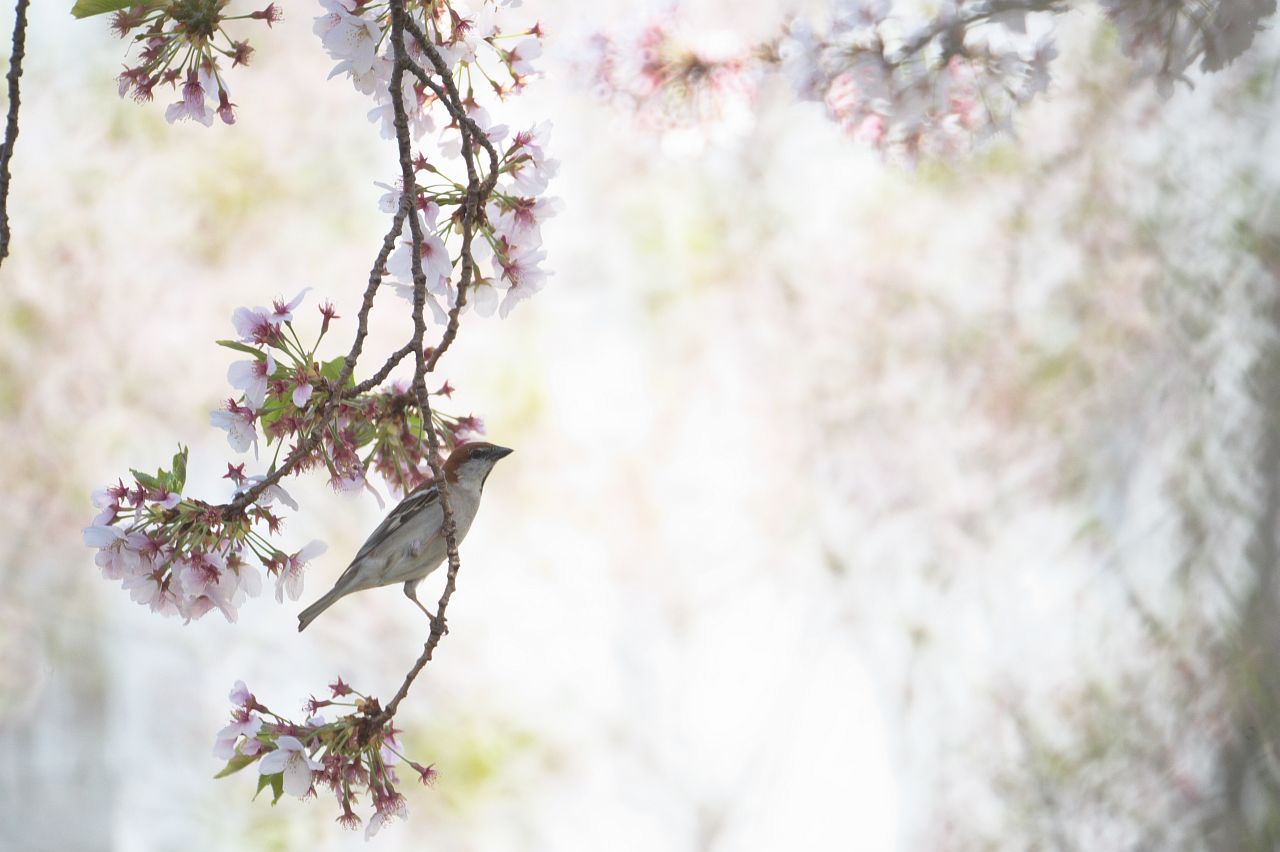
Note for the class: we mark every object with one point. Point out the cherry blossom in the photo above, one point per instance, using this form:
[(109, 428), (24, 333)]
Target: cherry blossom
[(291, 758), (251, 377), (240, 695), (238, 420), (243, 724), (435, 261), (254, 325), (192, 103), (467, 38), (289, 570), (388, 808), (273, 492), (103, 536), (302, 393), (282, 312)]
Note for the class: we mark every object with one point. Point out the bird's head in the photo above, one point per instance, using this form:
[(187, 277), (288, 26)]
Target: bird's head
[(472, 462)]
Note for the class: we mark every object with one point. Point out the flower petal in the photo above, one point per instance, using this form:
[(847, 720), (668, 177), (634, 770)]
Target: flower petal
[(297, 775), (272, 763)]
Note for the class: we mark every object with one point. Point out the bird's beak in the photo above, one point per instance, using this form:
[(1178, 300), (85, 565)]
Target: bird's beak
[(501, 452)]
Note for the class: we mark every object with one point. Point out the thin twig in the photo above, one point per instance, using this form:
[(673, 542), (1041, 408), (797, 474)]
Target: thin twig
[(11, 125)]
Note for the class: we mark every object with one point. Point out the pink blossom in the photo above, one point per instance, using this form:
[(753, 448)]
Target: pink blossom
[(207, 583), (468, 427), (152, 589), (101, 536), (238, 420), (273, 492), (289, 578), (436, 264), (254, 325), (522, 55), (484, 296), (524, 276), (282, 312), (166, 499), (121, 556), (226, 109), (251, 377), (192, 106), (243, 724), (388, 808), (334, 12), (240, 695), (108, 500), (349, 38), (291, 758), (519, 222)]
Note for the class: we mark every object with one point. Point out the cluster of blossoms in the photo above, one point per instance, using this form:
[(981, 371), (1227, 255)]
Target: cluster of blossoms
[(488, 64), (181, 556), (183, 44), (284, 390), (908, 77), (186, 557), (903, 77), (353, 756), (669, 76), (1168, 36), (912, 85)]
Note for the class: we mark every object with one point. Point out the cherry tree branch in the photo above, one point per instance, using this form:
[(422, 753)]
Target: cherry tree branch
[(478, 192), (479, 188), (972, 14), (11, 124)]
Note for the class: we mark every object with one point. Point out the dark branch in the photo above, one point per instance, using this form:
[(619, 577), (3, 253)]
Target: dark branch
[(11, 125), (477, 193)]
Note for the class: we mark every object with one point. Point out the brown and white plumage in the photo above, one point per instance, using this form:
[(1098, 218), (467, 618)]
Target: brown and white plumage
[(409, 543)]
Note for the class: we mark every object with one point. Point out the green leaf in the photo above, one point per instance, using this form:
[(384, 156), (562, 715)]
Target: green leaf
[(235, 764), (332, 370), (275, 781), (146, 480), (271, 411), (243, 347), (89, 8), (179, 475)]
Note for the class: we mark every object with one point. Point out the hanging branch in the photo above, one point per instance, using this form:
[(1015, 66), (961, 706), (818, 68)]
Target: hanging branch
[(11, 124), (477, 194)]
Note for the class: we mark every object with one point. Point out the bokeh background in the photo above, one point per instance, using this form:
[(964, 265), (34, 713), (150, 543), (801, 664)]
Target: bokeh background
[(854, 507)]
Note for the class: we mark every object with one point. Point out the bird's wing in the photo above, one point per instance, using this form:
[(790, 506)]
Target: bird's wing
[(414, 502)]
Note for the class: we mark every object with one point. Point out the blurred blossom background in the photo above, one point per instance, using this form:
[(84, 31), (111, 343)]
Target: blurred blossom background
[(854, 506)]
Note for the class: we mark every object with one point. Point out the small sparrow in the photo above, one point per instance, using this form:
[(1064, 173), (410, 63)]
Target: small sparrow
[(410, 543)]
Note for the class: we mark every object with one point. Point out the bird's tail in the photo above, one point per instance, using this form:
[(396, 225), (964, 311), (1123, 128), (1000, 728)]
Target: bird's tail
[(309, 614)]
